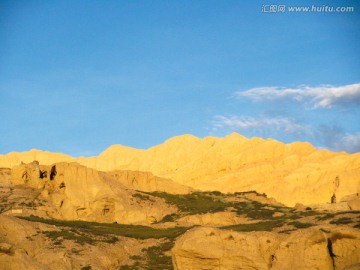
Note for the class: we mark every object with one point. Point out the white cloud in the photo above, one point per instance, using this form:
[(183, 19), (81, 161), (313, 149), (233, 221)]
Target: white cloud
[(325, 96), (242, 123), (349, 143), (333, 138)]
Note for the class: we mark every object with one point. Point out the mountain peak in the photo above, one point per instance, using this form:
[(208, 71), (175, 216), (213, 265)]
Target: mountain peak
[(288, 172)]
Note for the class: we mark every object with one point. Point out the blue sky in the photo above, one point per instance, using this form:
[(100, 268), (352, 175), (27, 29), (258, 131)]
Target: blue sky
[(79, 76)]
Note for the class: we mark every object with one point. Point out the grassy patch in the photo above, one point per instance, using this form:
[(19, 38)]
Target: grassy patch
[(154, 258), (127, 267), (261, 214), (349, 212), (260, 226), (195, 203), (326, 217), (287, 231), (170, 218), (112, 240), (309, 213), (101, 229), (58, 236), (301, 225), (212, 202), (250, 192), (294, 216), (344, 220)]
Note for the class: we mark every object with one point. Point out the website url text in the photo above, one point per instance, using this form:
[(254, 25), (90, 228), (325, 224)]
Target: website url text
[(324, 8)]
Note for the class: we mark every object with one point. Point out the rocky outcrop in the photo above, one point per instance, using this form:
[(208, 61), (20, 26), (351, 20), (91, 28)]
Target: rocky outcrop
[(353, 201), (77, 192), (345, 245), (27, 245), (215, 219), (210, 248), (290, 173)]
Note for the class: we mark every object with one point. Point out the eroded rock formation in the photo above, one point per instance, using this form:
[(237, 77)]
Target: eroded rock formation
[(77, 192), (26, 245), (290, 173), (210, 248)]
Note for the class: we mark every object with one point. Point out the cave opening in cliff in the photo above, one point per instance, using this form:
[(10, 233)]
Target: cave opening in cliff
[(53, 172), (43, 174), (106, 209)]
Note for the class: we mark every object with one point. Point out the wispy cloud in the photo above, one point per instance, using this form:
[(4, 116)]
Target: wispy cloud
[(336, 139), (324, 96), (242, 123), (350, 142), (333, 138)]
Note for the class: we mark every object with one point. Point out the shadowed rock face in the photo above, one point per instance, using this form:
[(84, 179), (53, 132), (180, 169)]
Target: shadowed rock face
[(210, 248), (77, 192), (290, 173)]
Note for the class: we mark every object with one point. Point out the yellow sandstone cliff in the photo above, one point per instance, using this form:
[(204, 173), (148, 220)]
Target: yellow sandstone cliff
[(290, 173)]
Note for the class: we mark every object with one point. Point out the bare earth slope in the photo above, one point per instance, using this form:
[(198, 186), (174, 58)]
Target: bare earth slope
[(290, 173)]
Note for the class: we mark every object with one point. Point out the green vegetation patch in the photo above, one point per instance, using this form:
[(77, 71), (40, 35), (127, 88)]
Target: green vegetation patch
[(301, 225), (58, 236), (326, 216), (260, 226), (287, 231), (154, 258), (349, 212), (308, 213), (260, 214), (242, 193), (211, 202), (295, 216), (195, 203), (170, 218), (95, 228), (344, 220)]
